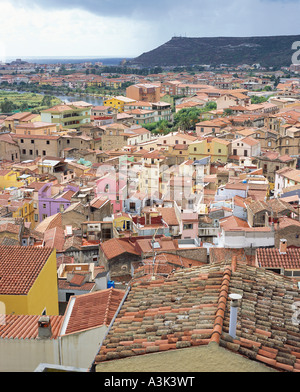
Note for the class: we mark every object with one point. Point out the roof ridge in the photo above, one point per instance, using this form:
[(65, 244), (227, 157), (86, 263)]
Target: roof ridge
[(110, 294), (222, 301)]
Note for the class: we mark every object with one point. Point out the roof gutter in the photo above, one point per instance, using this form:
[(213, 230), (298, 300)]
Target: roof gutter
[(93, 365)]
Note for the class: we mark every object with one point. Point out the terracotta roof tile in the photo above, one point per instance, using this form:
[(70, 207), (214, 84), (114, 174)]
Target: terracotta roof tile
[(19, 268), (93, 310), (191, 307), (26, 326)]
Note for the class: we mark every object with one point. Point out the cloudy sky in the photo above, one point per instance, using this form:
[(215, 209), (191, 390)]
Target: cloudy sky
[(127, 28)]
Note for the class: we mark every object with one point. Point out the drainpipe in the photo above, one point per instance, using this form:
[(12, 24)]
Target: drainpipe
[(233, 314)]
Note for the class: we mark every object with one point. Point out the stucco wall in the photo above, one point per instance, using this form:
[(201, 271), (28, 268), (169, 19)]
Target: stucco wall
[(24, 355), (211, 358), (80, 349)]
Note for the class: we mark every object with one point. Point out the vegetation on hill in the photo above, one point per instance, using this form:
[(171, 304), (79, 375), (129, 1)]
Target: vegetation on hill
[(274, 51), (11, 101)]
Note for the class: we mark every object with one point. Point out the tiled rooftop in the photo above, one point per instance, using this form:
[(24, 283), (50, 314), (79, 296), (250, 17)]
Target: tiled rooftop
[(192, 308), (272, 258), (93, 310), (26, 326), (19, 268)]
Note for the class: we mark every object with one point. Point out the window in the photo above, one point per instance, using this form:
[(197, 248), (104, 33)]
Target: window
[(219, 151), (30, 152), (48, 142), (188, 226), (44, 152), (32, 141), (44, 205), (24, 152), (202, 129)]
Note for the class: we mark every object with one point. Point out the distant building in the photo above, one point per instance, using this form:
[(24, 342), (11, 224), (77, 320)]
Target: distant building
[(144, 92), (69, 116)]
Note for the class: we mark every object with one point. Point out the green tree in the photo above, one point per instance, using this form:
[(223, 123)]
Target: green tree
[(7, 106)]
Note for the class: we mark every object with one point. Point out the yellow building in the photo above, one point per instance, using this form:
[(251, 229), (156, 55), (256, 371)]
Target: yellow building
[(24, 209), (118, 102), (217, 149), (10, 178), (122, 223), (20, 118), (28, 280)]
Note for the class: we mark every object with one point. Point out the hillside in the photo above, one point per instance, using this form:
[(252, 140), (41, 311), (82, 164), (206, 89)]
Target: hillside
[(179, 51)]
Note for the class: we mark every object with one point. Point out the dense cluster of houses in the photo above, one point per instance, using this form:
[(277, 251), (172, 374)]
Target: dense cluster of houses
[(104, 226)]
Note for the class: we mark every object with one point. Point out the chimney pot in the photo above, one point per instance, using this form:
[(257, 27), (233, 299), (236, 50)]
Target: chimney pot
[(283, 246), (233, 314), (44, 327)]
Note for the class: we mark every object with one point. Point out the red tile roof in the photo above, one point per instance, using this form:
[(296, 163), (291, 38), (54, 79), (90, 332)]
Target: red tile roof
[(192, 308), (26, 326), (271, 258), (93, 310), (19, 268), (115, 247)]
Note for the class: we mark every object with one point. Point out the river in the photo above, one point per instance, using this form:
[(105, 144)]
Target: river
[(95, 101)]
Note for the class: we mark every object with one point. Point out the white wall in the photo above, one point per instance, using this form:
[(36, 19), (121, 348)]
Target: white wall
[(24, 355), (79, 349), (246, 239)]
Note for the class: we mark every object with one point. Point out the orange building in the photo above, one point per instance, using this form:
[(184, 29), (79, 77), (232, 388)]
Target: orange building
[(144, 92), (36, 128)]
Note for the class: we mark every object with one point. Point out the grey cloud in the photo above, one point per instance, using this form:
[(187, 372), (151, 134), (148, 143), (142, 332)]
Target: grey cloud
[(118, 8)]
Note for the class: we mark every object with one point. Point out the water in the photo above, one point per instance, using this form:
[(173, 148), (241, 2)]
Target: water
[(109, 61), (95, 101)]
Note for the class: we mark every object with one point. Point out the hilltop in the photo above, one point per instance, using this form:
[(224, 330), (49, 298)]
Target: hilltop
[(179, 51)]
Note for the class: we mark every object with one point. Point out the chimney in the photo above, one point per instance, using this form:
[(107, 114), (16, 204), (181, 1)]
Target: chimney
[(283, 247), (234, 263), (233, 314), (44, 327)]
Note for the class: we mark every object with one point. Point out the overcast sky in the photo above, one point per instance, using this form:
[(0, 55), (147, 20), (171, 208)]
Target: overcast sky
[(127, 28)]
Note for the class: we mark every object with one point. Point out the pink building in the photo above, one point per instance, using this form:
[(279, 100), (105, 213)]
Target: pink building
[(114, 187), (189, 225)]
